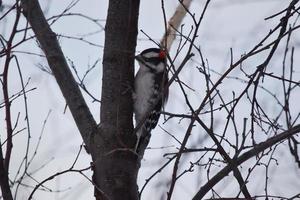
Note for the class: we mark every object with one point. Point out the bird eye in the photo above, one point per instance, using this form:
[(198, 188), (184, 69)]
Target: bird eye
[(146, 59)]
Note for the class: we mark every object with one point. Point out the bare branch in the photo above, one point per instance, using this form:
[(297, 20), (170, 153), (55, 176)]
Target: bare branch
[(58, 64), (174, 23), (244, 157)]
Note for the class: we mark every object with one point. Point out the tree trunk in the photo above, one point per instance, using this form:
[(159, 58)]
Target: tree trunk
[(115, 164)]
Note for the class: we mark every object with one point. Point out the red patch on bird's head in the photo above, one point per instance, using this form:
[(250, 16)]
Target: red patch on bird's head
[(162, 54)]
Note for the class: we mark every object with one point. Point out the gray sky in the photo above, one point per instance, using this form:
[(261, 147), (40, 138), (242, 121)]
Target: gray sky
[(228, 24)]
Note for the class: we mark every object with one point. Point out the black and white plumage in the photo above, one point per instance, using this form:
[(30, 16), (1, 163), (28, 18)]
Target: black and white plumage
[(149, 93)]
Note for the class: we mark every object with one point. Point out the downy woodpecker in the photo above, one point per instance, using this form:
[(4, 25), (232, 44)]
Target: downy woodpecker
[(150, 94)]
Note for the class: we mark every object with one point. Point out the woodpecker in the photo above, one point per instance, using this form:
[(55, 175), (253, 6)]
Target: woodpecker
[(150, 94)]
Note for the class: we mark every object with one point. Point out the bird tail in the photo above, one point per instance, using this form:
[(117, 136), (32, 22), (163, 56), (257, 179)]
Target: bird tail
[(143, 139)]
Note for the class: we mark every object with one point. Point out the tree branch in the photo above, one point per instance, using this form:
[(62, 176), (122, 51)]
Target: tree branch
[(174, 23), (58, 64), (244, 157)]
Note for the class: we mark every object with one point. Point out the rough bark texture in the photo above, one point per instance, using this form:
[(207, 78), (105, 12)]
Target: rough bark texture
[(115, 165), (117, 173)]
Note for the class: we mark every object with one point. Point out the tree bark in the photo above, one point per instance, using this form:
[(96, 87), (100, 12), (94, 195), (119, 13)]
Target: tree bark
[(116, 175)]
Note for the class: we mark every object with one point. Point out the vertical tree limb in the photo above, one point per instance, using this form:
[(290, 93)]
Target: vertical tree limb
[(5, 161), (116, 172), (174, 23), (4, 181)]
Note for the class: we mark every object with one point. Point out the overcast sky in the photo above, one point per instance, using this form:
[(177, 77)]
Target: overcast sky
[(228, 24)]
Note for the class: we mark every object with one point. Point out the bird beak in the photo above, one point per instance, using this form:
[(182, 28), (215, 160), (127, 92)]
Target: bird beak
[(138, 57)]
